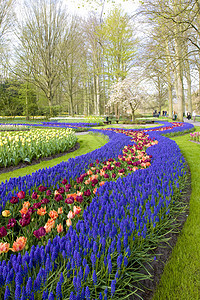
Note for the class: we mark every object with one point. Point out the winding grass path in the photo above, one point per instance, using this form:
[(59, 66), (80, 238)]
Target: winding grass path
[(181, 277), (87, 143)]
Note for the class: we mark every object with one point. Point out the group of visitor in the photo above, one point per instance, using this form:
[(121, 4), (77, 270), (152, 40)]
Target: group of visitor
[(188, 115), (157, 114)]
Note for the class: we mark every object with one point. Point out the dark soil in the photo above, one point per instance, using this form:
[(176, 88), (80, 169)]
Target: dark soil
[(37, 161), (163, 252)]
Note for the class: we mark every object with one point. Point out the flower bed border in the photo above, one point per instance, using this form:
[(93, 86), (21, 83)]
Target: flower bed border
[(156, 165)]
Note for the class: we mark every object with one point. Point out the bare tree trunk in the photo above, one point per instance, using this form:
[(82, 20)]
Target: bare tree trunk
[(50, 105), (132, 112), (169, 80), (180, 90), (97, 95), (26, 103), (85, 98), (178, 37), (188, 78), (199, 81)]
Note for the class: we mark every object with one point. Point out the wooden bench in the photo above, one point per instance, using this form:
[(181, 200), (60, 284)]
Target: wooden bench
[(107, 122)]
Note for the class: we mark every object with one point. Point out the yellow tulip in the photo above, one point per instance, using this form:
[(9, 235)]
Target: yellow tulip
[(6, 213)]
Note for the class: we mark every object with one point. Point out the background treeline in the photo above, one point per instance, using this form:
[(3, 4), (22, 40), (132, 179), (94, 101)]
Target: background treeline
[(53, 62)]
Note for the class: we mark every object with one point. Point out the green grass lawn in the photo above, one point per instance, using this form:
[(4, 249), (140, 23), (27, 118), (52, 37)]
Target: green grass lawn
[(181, 277), (87, 143), (125, 126)]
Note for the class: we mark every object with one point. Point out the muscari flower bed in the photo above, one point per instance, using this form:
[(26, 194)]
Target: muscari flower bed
[(107, 207), (78, 124)]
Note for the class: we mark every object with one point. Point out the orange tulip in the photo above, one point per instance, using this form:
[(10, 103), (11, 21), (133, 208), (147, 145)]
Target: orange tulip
[(79, 193), (4, 247), (94, 177), (102, 172), (59, 228), (53, 214), (73, 195), (101, 183), (41, 211), (23, 211), (60, 210), (89, 172), (134, 169), (26, 204), (49, 225), (69, 222), (87, 181), (19, 244)]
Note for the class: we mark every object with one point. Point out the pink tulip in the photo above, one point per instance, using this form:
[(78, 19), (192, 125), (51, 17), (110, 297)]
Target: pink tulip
[(71, 215), (77, 210)]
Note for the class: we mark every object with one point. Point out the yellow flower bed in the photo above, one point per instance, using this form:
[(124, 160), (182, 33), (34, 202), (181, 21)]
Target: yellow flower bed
[(36, 143)]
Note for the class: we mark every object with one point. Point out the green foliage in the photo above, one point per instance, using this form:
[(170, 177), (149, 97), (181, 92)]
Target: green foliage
[(179, 133), (119, 43), (9, 98), (28, 99)]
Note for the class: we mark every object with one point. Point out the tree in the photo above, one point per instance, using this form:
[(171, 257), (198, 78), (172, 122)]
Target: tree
[(41, 48), (160, 95), (6, 18), (119, 43), (27, 98), (169, 16), (73, 62), (155, 70), (9, 98), (119, 46), (95, 58), (126, 94)]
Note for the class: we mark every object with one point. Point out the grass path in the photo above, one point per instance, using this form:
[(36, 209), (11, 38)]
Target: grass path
[(87, 143), (181, 277)]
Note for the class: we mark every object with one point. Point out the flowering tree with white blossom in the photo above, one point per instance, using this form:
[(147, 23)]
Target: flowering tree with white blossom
[(126, 95)]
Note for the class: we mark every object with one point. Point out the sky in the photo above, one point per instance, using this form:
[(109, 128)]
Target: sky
[(82, 7)]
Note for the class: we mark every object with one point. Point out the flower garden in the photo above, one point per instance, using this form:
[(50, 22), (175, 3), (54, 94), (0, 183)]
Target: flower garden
[(12, 127), (24, 146), (195, 137), (84, 228)]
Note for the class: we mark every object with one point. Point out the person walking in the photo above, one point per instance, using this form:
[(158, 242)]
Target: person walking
[(194, 115), (188, 115)]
